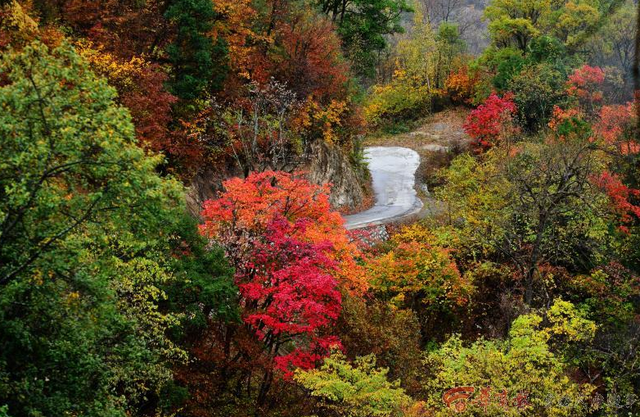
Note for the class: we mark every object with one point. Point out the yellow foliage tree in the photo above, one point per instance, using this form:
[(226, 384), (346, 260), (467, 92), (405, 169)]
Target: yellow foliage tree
[(412, 86), (521, 376)]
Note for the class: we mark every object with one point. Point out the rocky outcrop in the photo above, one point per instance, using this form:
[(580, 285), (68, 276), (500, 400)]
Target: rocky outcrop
[(328, 164), (207, 184), (370, 236), (204, 186), (324, 164)]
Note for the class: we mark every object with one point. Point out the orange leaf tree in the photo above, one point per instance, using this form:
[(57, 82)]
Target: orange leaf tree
[(247, 207), (292, 258), (490, 121), (421, 277)]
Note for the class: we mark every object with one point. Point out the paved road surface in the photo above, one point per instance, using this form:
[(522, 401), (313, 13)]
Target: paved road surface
[(393, 174)]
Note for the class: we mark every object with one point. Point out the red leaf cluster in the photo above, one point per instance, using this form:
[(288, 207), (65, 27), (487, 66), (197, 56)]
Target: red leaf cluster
[(491, 120), (585, 84), (313, 64), (289, 294), (616, 124), (291, 254), (248, 206), (620, 196)]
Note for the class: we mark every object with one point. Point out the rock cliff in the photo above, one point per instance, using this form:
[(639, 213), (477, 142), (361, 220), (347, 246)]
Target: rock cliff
[(324, 164), (329, 164)]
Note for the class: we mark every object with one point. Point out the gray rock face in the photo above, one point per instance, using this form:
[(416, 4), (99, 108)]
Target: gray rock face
[(325, 164), (330, 165), (205, 186)]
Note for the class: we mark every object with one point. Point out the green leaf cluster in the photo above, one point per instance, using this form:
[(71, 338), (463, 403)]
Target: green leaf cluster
[(87, 230), (523, 363), (354, 390)]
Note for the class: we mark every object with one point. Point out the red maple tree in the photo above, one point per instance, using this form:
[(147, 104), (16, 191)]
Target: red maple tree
[(616, 125), (291, 254), (289, 297), (621, 197), (490, 121), (585, 84), (248, 206)]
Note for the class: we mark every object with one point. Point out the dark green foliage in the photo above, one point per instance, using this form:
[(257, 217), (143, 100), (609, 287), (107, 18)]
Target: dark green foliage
[(52, 361), (81, 245), (547, 48), (362, 25), (508, 63), (537, 89), (198, 63), (207, 289)]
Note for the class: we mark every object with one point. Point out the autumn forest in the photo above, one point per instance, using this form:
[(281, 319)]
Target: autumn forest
[(202, 212)]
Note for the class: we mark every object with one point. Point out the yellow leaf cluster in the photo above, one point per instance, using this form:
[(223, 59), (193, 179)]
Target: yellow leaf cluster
[(16, 21), (328, 118), (124, 73)]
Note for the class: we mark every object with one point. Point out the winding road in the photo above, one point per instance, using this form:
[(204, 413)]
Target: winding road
[(393, 175)]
